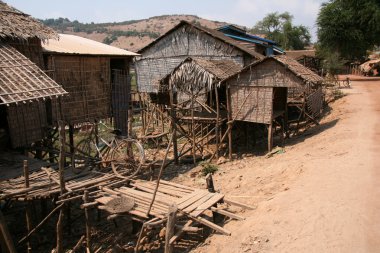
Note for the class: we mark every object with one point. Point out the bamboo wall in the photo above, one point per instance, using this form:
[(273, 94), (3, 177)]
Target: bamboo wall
[(88, 81), (258, 105), (258, 83), (27, 123), (161, 58), (31, 48)]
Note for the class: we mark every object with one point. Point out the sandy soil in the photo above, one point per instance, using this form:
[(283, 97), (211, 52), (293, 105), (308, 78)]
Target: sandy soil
[(321, 195)]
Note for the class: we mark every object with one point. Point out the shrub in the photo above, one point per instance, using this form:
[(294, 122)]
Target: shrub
[(208, 168)]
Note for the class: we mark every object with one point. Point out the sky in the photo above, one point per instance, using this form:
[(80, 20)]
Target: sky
[(240, 12)]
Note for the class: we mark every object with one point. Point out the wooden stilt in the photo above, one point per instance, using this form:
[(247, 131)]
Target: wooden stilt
[(210, 183), (28, 213), (193, 125), (6, 235), (229, 117), (217, 138), (173, 125), (270, 137), (61, 166), (170, 226), (87, 217), (71, 139)]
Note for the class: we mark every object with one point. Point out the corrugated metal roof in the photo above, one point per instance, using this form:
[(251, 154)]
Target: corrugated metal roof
[(71, 44), (21, 80)]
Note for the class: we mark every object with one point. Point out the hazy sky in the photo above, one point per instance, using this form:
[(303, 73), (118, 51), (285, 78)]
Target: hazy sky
[(241, 12)]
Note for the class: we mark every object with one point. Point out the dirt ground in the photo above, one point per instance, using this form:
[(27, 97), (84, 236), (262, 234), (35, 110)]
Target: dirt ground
[(321, 195)]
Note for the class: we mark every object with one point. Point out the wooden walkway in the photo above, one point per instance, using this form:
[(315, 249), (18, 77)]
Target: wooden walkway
[(191, 203)]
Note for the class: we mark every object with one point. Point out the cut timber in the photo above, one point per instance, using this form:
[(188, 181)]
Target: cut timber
[(170, 226), (235, 203), (206, 205), (228, 214), (210, 225), (197, 203), (180, 232), (191, 198)]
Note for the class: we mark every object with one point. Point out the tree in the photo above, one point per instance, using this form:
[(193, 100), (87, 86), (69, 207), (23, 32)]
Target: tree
[(349, 27), (279, 27)]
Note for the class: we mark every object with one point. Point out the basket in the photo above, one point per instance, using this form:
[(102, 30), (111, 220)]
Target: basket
[(119, 205)]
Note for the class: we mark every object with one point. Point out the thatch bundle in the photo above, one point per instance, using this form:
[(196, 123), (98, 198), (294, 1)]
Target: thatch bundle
[(15, 24)]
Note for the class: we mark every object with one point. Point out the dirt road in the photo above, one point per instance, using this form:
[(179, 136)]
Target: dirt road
[(321, 195)]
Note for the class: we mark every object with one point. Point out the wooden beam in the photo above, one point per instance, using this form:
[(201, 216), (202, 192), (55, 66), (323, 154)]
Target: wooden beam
[(6, 235), (170, 226)]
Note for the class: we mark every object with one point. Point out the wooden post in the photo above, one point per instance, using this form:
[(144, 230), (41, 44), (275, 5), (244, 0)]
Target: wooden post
[(210, 183), (193, 125), (87, 217), (61, 167), (71, 138), (28, 209), (270, 136), (173, 124), (170, 226), (217, 122), (6, 235), (229, 117)]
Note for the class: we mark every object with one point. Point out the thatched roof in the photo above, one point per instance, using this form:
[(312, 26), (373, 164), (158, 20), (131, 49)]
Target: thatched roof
[(15, 24), (302, 72), (298, 69), (76, 45), (200, 72), (214, 33), (297, 54), (21, 80)]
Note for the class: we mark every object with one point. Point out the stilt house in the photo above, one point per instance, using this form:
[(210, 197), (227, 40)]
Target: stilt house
[(95, 74), (24, 88), (185, 40), (260, 92)]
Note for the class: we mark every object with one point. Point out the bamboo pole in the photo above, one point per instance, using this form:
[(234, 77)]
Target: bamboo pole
[(193, 125), (6, 235), (28, 211), (229, 117), (61, 167), (217, 139), (174, 127), (159, 175), (88, 228)]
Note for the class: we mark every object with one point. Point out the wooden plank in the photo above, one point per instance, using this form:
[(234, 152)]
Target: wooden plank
[(198, 195), (177, 185), (161, 189), (210, 225), (206, 205), (167, 201), (235, 203), (169, 187), (228, 214), (197, 203)]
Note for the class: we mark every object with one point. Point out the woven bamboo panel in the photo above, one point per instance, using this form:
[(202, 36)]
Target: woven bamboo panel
[(314, 102), (120, 99), (87, 79), (27, 123), (31, 49), (258, 104)]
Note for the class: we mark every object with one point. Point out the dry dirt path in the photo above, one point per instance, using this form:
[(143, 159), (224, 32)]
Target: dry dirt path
[(321, 195)]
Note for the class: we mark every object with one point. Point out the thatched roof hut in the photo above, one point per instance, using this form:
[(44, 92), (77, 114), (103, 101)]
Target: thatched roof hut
[(256, 89), (185, 40), (24, 88), (22, 81), (18, 25)]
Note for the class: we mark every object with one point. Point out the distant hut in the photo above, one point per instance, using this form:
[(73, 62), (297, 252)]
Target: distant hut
[(308, 58), (95, 74), (184, 40), (260, 92), (199, 99), (24, 87)]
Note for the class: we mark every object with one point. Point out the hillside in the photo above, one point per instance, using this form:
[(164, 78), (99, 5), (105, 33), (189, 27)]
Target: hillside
[(131, 35)]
